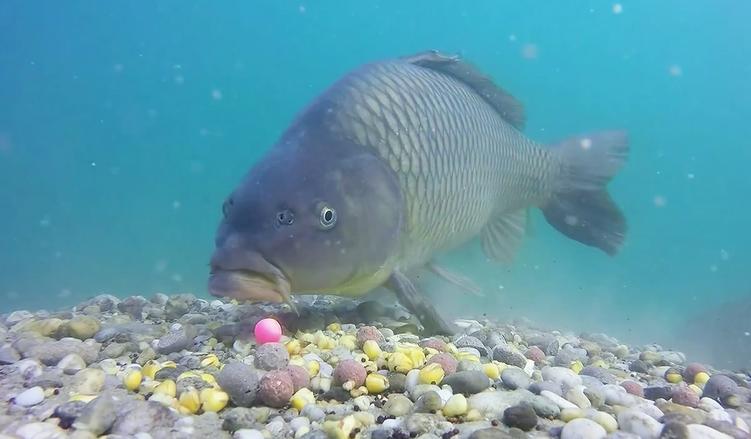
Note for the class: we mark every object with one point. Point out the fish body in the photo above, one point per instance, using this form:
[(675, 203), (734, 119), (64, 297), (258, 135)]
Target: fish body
[(397, 161)]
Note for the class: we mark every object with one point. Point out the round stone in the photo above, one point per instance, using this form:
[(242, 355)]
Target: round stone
[(520, 416)]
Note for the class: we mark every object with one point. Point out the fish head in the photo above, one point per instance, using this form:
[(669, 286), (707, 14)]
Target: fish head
[(308, 220)]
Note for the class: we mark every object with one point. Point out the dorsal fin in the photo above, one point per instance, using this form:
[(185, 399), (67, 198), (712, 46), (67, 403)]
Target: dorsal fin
[(506, 105)]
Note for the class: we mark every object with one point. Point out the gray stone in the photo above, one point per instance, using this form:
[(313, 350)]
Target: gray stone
[(67, 412), (563, 376), (719, 387), (239, 418), (145, 417), (634, 421), (50, 353), (313, 412), (568, 354), (8, 355), (544, 407), (468, 382), (515, 378), (428, 402), (674, 430), (601, 374), (520, 416), (421, 423), (490, 433), (583, 428), (397, 405), (271, 356), (98, 415), (550, 386), (176, 341), (467, 341), (506, 354), (240, 381)]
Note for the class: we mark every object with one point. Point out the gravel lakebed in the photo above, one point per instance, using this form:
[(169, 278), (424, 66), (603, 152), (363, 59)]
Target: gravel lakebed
[(183, 367)]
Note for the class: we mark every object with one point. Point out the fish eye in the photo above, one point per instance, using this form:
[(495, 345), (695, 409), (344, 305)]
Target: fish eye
[(285, 217), (328, 217)]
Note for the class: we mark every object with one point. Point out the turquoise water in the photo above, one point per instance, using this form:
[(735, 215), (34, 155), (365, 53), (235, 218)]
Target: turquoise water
[(123, 126)]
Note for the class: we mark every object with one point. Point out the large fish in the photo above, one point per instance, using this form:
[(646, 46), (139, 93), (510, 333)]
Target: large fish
[(397, 161)]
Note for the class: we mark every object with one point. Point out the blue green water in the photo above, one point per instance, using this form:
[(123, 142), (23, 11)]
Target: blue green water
[(123, 125)]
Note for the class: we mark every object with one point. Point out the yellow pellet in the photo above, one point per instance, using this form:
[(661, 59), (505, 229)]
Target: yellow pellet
[(431, 374), (371, 349), (213, 400), (210, 360), (491, 370), (301, 398), (376, 383), (151, 368), (293, 346), (166, 387), (190, 400), (132, 379)]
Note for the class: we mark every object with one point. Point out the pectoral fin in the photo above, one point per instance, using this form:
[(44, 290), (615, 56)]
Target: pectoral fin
[(457, 279), (417, 303), (503, 235)]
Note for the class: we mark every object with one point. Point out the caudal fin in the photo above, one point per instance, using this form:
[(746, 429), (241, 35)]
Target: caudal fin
[(581, 207)]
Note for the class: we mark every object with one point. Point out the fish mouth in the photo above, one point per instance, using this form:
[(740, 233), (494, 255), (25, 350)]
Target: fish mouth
[(263, 282)]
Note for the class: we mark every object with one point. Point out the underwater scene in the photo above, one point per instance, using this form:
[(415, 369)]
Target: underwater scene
[(387, 220)]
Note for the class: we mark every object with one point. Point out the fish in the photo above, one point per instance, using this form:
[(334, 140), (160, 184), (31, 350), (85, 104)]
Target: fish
[(396, 162)]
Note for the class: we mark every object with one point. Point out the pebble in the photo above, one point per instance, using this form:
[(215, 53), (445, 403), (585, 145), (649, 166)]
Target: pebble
[(576, 395), (397, 405), (39, 430), (247, 433), (550, 386), (562, 376), (349, 370), (505, 354), (685, 396), (71, 363), (467, 382), (489, 433), (559, 401), (97, 416), (29, 397), (8, 355), (88, 381), (520, 416), (240, 381), (634, 421), (583, 428), (83, 327), (271, 356), (428, 402), (719, 387), (176, 340), (658, 392), (698, 431), (455, 406), (67, 412), (601, 374), (515, 378), (50, 353)]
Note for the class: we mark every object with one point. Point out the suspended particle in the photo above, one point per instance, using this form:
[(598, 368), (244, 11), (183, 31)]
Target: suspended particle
[(179, 79), (176, 204), (216, 94), (530, 51), (675, 70), (713, 268), (617, 8), (117, 68), (64, 293), (177, 277), (690, 175), (659, 201), (512, 38), (301, 9), (586, 143), (724, 255)]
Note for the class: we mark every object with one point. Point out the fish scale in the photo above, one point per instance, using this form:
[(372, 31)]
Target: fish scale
[(458, 164)]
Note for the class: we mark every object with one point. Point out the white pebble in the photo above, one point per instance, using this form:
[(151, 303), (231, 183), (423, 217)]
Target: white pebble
[(30, 397), (642, 425), (413, 378), (720, 415), (740, 423), (445, 393), (390, 424), (299, 422), (40, 430), (563, 376), (142, 435), (583, 428), (560, 402), (247, 433), (29, 368), (71, 362), (698, 431), (709, 404)]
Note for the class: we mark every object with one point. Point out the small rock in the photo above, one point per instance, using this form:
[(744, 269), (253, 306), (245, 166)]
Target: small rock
[(71, 364), (576, 395), (467, 382), (559, 401), (563, 376), (544, 407), (505, 354), (397, 382), (420, 423), (467, 341), (535, 354), (8, 355), (50, 353), (583, 428), (685, 396), (240, 381), (397, 405), (29, 397), (489, 433), (300, 376), (674, 430), (550, 386), (520, 416), (369, 333), (601, 374), (133, 306), (428, 402), (67, 412), (247, 433), (656, 392), (633, 388), (271, 356), (314, 413), (447, 361), (239, 418), (97, 416), (719, 387), (145, 417), (515, 378), (568, 354), (176, 341), (634, 421), (88, 381), (83, 327), (698, 431), (39, 430), (639, 366)]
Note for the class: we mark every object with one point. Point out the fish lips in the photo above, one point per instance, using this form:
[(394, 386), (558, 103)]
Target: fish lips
[(250, 277)]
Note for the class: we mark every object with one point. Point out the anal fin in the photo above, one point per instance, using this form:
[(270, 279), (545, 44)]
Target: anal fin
[(503, 235), (408, 294)]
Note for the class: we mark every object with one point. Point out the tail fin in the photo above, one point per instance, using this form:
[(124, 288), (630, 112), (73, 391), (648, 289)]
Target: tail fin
[(581, 207)]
